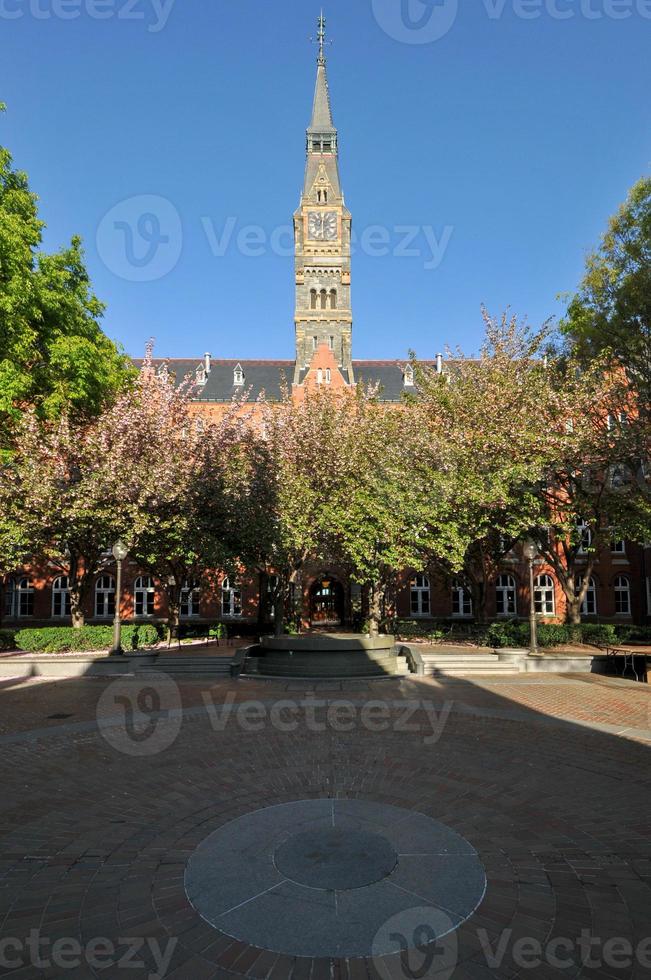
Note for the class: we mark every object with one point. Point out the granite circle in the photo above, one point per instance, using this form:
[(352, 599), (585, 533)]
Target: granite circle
[(335, 858), (322, 878)]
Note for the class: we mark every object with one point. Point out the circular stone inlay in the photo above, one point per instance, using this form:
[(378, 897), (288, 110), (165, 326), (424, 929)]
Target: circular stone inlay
[(337, 878), (335, 858)]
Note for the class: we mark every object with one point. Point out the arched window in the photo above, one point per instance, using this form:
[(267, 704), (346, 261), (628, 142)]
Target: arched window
[(10, 598), (328, 376), (143, 596), (589, 604), (505, 596), (231, 600), (313, 295), (461, 599), (319, 376), (331, 343), (105, 597), (622, 596), (543, 595), (190, 600), (333, 299), (61, 597), (420, 595), (324, 299), (315, 343)]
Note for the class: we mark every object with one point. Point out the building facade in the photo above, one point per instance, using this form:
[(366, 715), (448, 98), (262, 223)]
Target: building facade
[(620, 589)]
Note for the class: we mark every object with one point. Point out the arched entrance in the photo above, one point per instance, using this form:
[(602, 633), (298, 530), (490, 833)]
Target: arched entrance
[(326, 602)]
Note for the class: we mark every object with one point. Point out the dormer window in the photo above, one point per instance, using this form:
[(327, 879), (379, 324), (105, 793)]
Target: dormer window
[(238, 376), (200, 375), (408, 376)]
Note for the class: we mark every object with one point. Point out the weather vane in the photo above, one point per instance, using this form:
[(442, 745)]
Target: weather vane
[(321, 39)]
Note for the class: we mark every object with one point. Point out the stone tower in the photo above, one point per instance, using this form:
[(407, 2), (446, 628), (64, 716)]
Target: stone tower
[(322, 230)]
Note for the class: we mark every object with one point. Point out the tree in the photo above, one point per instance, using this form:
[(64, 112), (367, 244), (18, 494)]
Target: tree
[(190, 485), (146, 470), (491, 411), (388, 506), (52, 495), (611, 312), (594, 490), (301, 464), (53, 355)]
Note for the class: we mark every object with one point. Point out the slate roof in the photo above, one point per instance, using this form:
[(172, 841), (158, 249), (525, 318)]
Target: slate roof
[(267, 376)]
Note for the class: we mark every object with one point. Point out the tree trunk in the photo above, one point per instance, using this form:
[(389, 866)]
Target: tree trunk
[(573, 611), (279, 612), (263, 601), (375, 608), (77, 593), (173, 621), (173, 593), (479, 594), (76, 607)]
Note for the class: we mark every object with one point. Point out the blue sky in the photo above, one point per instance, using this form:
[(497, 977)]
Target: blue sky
[(162, 130)]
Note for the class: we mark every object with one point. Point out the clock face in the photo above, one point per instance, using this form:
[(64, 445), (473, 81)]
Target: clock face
[(322, 226)]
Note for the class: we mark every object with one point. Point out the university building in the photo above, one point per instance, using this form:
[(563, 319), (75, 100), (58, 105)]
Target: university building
[(620, 589)]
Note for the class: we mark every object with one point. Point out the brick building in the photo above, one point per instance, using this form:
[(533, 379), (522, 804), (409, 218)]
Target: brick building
[(620, 589)]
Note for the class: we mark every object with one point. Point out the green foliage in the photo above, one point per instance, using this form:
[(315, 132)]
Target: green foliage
[(612, 309), (7, 639), (53, 354), (66, 639), (218, 632), (412, 629)]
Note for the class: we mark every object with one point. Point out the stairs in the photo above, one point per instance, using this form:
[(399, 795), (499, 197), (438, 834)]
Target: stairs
[(188, 667), (464, 664), (328, 665)]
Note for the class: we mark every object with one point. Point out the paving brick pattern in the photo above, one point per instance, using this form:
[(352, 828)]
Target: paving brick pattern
[(95, 841)]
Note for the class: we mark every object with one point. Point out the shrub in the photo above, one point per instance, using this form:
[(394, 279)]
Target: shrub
[(147, 635), (66, 639), (413, 629), (599, 634), (7, 640)]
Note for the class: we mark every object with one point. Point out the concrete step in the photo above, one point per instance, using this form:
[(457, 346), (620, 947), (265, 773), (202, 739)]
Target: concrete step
[(201, 667), (465, 664)]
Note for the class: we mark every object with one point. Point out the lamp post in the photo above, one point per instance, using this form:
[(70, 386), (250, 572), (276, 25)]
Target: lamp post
[(120, 552), (530, 550)]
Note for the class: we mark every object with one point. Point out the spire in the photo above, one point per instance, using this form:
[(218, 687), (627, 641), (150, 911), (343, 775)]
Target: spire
[(321, 121), (322, 149)]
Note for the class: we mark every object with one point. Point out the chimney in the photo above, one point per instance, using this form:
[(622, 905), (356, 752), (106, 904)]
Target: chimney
[(206, 360), (439, 363)]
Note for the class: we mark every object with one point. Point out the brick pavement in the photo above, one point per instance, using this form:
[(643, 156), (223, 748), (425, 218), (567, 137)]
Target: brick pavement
[(95, 840)]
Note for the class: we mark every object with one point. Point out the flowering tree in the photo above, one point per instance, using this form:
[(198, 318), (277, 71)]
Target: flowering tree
[(144, 470)]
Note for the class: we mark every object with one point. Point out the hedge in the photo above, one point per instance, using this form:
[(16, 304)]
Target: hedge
[(66, 639), (7, 640), (515, 633)]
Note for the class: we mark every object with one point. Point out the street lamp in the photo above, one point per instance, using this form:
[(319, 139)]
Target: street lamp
[(120, 552), (530, 550)]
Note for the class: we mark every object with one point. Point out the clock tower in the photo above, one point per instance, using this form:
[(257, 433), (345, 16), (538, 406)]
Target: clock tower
[(322, 230)]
